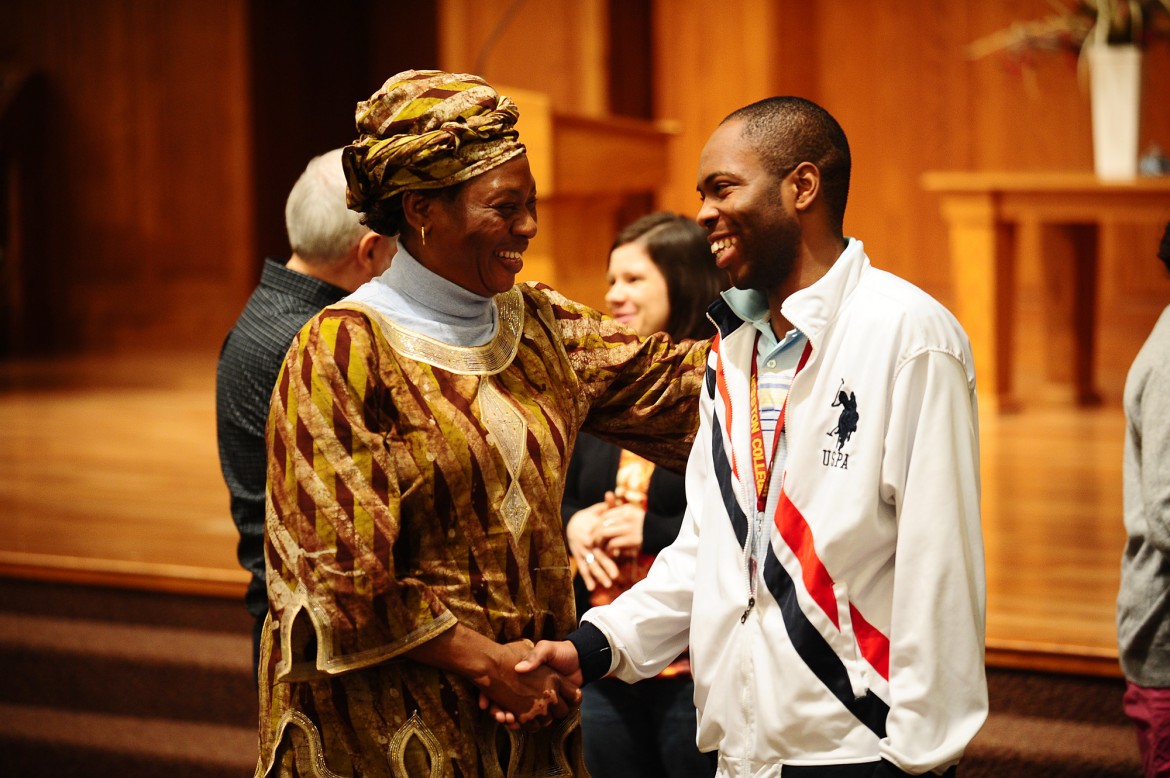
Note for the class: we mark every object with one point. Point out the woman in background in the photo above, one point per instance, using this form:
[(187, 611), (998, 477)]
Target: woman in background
[(620, 510)]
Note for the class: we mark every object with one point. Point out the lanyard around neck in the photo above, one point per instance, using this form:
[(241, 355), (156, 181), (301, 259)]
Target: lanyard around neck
[(761, 463)]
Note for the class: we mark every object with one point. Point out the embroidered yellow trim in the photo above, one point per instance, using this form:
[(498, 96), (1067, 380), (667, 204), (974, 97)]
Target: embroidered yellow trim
[(488, 359), (416, 728)]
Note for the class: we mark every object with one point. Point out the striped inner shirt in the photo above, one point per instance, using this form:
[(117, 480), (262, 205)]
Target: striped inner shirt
[(777, 366)]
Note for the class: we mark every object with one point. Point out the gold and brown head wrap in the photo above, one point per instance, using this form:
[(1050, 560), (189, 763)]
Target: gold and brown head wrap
[(426, 129)]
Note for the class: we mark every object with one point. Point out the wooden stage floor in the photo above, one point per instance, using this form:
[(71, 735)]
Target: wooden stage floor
[(110, 475)]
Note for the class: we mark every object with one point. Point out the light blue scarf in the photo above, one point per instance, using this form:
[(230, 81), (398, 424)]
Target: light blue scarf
[(413, 297)]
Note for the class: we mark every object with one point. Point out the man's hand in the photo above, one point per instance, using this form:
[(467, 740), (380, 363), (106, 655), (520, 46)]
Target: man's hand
[(558, 657), (531, 699)]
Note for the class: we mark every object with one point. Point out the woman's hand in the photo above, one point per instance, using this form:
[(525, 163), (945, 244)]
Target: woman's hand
[(593, 564), (620, 529)]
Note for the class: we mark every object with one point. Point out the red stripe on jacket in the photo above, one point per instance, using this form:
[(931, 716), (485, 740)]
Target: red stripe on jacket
[(793, 527)]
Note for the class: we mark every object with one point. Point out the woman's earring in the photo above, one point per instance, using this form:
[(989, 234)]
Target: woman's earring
[(424, 235)]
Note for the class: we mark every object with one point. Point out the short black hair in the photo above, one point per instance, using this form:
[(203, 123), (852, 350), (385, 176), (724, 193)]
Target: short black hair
[(787, 131)]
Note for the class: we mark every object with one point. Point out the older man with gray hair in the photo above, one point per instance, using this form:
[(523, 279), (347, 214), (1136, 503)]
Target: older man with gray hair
[(332, 255)]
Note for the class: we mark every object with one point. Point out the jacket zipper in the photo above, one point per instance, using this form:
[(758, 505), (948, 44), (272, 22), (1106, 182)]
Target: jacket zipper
[(760, 522)]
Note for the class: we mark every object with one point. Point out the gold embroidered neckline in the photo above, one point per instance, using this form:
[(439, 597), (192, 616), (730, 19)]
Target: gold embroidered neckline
[(488, 359)]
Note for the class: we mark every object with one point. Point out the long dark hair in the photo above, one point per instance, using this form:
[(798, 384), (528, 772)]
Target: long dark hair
[(679, 249)]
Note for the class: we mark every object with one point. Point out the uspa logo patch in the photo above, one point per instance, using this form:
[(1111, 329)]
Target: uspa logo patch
[(846, 426)]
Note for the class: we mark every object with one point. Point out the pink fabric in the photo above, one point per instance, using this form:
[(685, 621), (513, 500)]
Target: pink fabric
[(1150, 711)]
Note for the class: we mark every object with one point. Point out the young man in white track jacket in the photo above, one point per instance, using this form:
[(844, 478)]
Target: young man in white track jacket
[(828, 578)]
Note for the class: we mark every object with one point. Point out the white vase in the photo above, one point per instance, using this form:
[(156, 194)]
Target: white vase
[(1115, 77)]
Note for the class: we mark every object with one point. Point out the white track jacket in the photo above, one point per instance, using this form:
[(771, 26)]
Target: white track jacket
[(865, 640)]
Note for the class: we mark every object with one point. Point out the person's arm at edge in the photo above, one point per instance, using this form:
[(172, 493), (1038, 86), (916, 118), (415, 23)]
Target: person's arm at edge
[(1155, 447)]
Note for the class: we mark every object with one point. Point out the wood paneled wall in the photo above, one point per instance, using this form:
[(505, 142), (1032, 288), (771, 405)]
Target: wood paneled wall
[(145, 142), (558, 47), (898, 78), (172, 133), (165, 171)]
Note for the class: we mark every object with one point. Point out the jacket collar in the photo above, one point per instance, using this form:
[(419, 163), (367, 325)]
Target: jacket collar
[(810, 310)]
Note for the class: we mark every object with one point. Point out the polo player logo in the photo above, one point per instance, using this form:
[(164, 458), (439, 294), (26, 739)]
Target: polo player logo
[(847, 422)]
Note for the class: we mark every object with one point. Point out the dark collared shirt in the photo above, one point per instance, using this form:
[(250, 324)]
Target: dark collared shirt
[(249, 363)]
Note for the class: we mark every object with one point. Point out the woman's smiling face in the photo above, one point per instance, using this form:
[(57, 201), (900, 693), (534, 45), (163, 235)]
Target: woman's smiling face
[(477, 238), (637, 294)]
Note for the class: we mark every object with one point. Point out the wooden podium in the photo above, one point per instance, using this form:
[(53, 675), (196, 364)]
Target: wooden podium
[(593, 175), (1064, 221)]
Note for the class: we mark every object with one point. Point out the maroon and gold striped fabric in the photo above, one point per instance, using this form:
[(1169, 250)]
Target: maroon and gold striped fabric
[(393, 514)]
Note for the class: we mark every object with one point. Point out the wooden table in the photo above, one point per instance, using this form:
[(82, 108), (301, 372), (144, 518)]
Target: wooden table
[(1064, 222)]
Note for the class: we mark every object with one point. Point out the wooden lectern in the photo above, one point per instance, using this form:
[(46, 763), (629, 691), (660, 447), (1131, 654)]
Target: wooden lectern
[(1064, 221), (593, 175)]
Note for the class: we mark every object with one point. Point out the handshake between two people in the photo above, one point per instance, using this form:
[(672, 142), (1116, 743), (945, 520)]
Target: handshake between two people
[(534, 685)]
